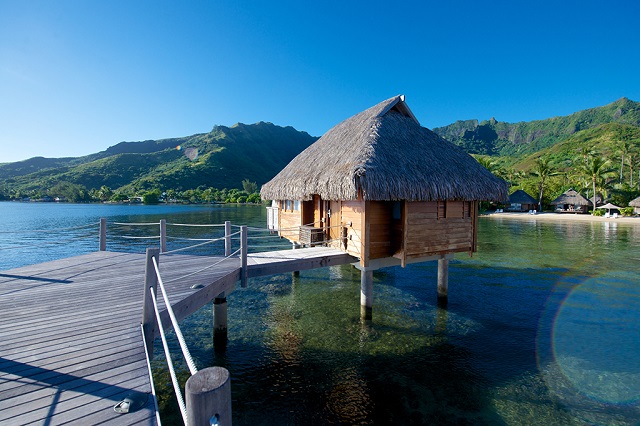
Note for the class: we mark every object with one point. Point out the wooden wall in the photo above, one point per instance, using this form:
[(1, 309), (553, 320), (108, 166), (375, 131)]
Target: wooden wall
[(379, 222), (439, 227), (370, 231), (352, 216), (290, 220)]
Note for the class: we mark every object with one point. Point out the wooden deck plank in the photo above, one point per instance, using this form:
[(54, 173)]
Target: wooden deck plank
[(70, 341)]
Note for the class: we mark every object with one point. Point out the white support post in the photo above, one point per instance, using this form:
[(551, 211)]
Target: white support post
[(208, 397), (103, 234), (366, 294), (295, 246), (243, 256), (163, 235), (220, 321), (149, 325), (443, 278), (227, 238)]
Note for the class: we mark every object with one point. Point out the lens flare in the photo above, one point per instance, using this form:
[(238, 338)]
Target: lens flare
[(191, 153), (588, 341)]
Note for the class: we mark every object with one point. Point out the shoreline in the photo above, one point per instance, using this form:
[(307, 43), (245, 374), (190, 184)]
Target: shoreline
[(561, 217)]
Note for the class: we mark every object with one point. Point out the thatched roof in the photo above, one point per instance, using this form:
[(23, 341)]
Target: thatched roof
[(522, 197), (635, 202), (571, 197), (384, 154)]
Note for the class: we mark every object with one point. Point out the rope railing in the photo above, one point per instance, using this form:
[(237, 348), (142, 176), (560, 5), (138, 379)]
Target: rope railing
[(23, 231), (135, 223), (183, 345), (205, 268), (206, 241), (196, 224), (167, 354)]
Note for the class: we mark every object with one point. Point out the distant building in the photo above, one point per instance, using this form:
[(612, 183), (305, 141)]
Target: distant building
[(520, 201), (571, 202), (635, 203)]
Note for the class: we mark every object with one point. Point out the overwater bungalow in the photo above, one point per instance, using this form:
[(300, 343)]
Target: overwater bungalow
[(635, 203), (571, 202), (384, 189), (520, 201)]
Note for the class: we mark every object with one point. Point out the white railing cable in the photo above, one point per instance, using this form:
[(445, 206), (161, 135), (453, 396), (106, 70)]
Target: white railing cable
[(130, 237), (42, 243), (153, 386), (195, 224), (167, 354), (205, 268), (135, 224), (22, 231), (174, 321), (199, 245)]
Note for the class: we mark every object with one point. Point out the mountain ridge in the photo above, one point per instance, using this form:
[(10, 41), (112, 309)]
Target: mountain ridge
[(495, 138)]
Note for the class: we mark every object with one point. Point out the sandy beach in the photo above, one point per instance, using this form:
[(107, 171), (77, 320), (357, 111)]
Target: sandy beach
[(562, 217)]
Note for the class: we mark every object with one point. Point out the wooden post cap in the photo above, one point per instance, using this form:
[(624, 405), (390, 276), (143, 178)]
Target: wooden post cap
[(208, 397)]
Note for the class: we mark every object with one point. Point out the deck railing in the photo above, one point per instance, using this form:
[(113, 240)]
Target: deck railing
[(208, 391)]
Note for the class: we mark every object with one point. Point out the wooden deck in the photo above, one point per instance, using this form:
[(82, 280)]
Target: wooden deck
[(70, 339)]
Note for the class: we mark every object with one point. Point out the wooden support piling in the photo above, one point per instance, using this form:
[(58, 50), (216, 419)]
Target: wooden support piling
[(366, 294), (208, 397), (163, 235), (227, 238), (220, 322), (243, 256), (443, 278), (149, 324), (103, 234), (295, 246)]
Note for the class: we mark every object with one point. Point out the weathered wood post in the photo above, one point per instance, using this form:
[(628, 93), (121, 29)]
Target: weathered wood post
[(227, 238), (443, 278), (163, 235), (149, 325), (366, 294), (208, 397), (103, 234), (295, 246), (243, 256), (220, 322)]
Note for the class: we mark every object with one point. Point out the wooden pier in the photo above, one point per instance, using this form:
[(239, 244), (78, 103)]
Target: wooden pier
[(71, 345)]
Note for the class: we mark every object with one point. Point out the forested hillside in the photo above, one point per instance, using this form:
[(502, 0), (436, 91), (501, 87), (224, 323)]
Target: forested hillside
[(222, 158)]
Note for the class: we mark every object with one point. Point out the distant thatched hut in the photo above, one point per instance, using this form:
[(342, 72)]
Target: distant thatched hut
[(635, 203), (571, 202), (520, 201), (384, 189)]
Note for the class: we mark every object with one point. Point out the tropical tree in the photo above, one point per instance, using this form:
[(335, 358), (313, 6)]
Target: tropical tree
[(625, 149), (632, 160), (542, 171), (597, 170), (249, 187)]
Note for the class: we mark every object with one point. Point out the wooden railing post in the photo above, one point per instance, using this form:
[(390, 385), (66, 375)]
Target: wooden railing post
[(163, 235), (227, 238), (103, 234), (243, 256), (149, 325), (208, 397)]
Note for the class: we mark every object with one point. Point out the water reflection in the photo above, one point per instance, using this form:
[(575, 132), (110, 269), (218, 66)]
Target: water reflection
[(540, 328)]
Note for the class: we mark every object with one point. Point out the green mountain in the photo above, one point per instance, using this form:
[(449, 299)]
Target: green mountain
[(491, 137), (222, 158), (606, 139)]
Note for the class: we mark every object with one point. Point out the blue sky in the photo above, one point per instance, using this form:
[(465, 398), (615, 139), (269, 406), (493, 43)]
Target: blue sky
[(79, 76)]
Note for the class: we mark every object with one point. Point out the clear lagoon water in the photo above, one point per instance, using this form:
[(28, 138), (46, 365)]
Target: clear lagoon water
[(542, 325)]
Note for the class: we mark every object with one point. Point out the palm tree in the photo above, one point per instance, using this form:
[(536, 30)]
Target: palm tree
[(632, 160), (597, 169), (625, 148), (543, 171)]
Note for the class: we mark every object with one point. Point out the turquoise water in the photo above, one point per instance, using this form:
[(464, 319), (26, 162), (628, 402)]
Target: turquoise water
[(542, 325)]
